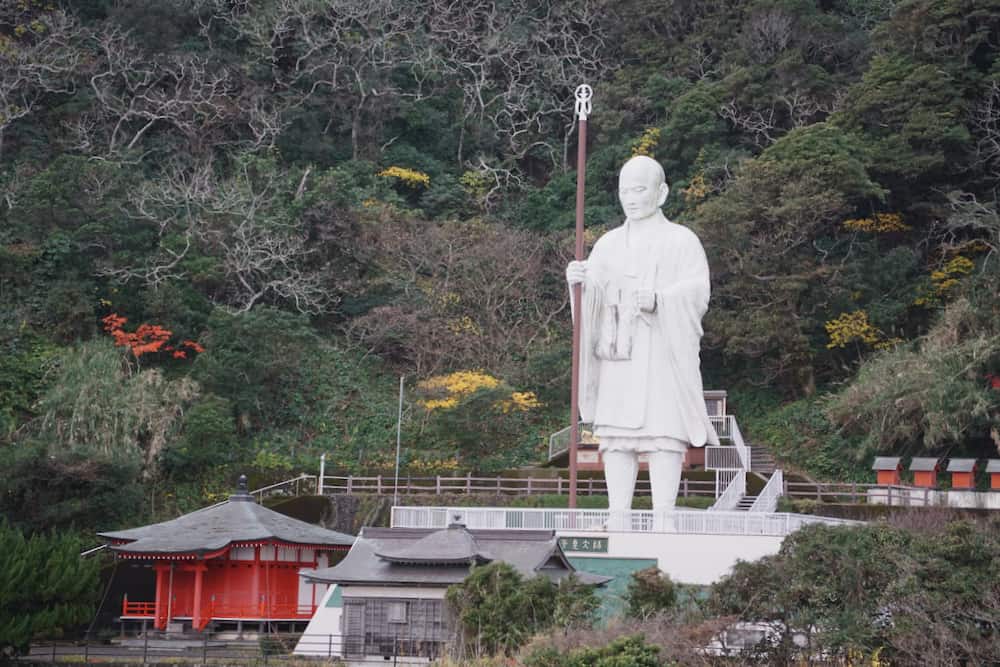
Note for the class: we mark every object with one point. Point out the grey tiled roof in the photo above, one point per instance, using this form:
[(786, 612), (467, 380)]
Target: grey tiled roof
[(414, 557), (240, 519), (440, 546), (885, 463), (923, 463), (961, 465), (993, 465)]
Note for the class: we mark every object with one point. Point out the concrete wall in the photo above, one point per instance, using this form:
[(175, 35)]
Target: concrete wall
[(688, 559), (920, 497)]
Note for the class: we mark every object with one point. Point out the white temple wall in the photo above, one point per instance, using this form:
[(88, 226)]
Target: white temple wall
[(688, 559)]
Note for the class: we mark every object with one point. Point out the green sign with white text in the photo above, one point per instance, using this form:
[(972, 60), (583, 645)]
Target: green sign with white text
[(591, 545)]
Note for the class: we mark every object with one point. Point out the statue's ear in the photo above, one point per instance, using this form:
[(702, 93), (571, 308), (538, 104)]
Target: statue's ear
[(664, 191)]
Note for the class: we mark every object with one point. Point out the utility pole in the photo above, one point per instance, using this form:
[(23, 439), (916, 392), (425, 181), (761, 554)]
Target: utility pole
[(399, 431)]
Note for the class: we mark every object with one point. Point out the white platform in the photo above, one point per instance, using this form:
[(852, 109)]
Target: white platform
[(691, 546)]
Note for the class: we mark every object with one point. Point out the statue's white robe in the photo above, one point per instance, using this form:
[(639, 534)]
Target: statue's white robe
[(657, 392)]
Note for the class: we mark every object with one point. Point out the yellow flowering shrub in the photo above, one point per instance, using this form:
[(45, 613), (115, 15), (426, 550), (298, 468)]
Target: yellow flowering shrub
[(455, 386), (944, 280), (432, 466), (520, 400), (880, 223), (696, 191), (646, 145), (410, 177), (447, 391), (849, 327)]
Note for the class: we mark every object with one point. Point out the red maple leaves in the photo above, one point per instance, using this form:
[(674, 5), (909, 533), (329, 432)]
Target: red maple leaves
[(147, 338)]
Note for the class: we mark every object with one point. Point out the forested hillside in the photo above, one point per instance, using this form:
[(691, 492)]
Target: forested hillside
[(227, 227)]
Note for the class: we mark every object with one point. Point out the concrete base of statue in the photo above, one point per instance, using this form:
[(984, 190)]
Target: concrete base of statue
[(691, 546)]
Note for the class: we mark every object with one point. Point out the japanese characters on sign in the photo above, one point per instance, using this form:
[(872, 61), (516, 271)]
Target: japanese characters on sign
[(594, 545)]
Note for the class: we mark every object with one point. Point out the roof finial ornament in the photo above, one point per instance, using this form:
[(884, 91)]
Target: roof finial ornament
[(241, 490)]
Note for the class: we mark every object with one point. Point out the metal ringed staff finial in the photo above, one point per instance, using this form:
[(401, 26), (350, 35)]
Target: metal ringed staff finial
[(583, 95)]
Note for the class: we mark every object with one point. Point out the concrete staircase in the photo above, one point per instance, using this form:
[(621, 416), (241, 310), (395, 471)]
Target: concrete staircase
[(746, 502), (761, 460)]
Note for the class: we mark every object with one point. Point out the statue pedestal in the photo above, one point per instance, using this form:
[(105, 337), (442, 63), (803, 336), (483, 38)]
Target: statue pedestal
[(691, 546)]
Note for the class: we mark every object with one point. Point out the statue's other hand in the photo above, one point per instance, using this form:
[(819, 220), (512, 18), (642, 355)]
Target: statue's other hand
[(576, 272), (645, 300)]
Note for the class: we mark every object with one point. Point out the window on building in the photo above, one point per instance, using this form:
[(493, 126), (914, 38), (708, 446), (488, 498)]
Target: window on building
[(397, 612)]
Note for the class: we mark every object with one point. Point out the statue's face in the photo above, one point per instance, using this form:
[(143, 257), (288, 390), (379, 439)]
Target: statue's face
[(640, 191)]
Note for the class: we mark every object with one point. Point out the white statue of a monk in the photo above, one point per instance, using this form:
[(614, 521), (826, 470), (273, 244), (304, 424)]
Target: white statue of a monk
[(645, 290)]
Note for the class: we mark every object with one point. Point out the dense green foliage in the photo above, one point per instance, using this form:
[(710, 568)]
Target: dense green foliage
[(498, 610), (623, 652), (293, 203), (649, 592), (45, 587), (918, 596)]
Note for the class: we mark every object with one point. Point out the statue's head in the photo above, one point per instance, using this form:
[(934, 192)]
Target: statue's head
[(642, 187)]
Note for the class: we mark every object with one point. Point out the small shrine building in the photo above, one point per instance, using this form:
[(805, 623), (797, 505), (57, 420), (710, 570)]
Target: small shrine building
[(389, 594), (231, 563)]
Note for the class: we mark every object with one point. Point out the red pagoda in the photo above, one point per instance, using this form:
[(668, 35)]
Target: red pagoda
[(227, 564)]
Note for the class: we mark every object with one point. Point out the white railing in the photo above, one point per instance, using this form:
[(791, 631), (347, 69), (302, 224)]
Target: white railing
[(722, 457), (559, 441), (730, 498), (741, 447), (692, 522), (767, 500), (723, 425)]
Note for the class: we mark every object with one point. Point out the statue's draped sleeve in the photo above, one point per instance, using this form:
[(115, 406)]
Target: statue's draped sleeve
[(681, 304), (592, 303)]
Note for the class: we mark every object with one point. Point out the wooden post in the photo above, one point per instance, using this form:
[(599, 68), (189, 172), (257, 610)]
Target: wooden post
[(437, 485), (559, 485), (590, 486), (498, 485), (378, 485), (529, 486), (468, 483), (350, 484), (199, 575)]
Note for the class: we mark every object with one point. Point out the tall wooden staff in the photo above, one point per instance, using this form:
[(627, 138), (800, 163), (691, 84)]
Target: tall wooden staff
[(583, 95)]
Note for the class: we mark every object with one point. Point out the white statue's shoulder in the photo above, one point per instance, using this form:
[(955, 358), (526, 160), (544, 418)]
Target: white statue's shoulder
[(681, 234), (608, 241)]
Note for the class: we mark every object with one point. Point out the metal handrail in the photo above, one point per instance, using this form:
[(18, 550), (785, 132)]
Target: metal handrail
[(741, 448), (730, 498), (767, 500)]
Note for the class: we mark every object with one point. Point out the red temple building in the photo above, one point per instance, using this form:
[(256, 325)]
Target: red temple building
[(231, 563)]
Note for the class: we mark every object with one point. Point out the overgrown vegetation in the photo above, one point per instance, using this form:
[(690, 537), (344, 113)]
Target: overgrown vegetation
[(45, 587), (283, 206), (498, 610)]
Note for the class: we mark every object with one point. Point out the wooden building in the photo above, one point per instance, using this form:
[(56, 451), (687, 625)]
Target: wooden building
[(393, 583), (993, 470), (231, 563), (963, 473), (887, 470), (925, 470)]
